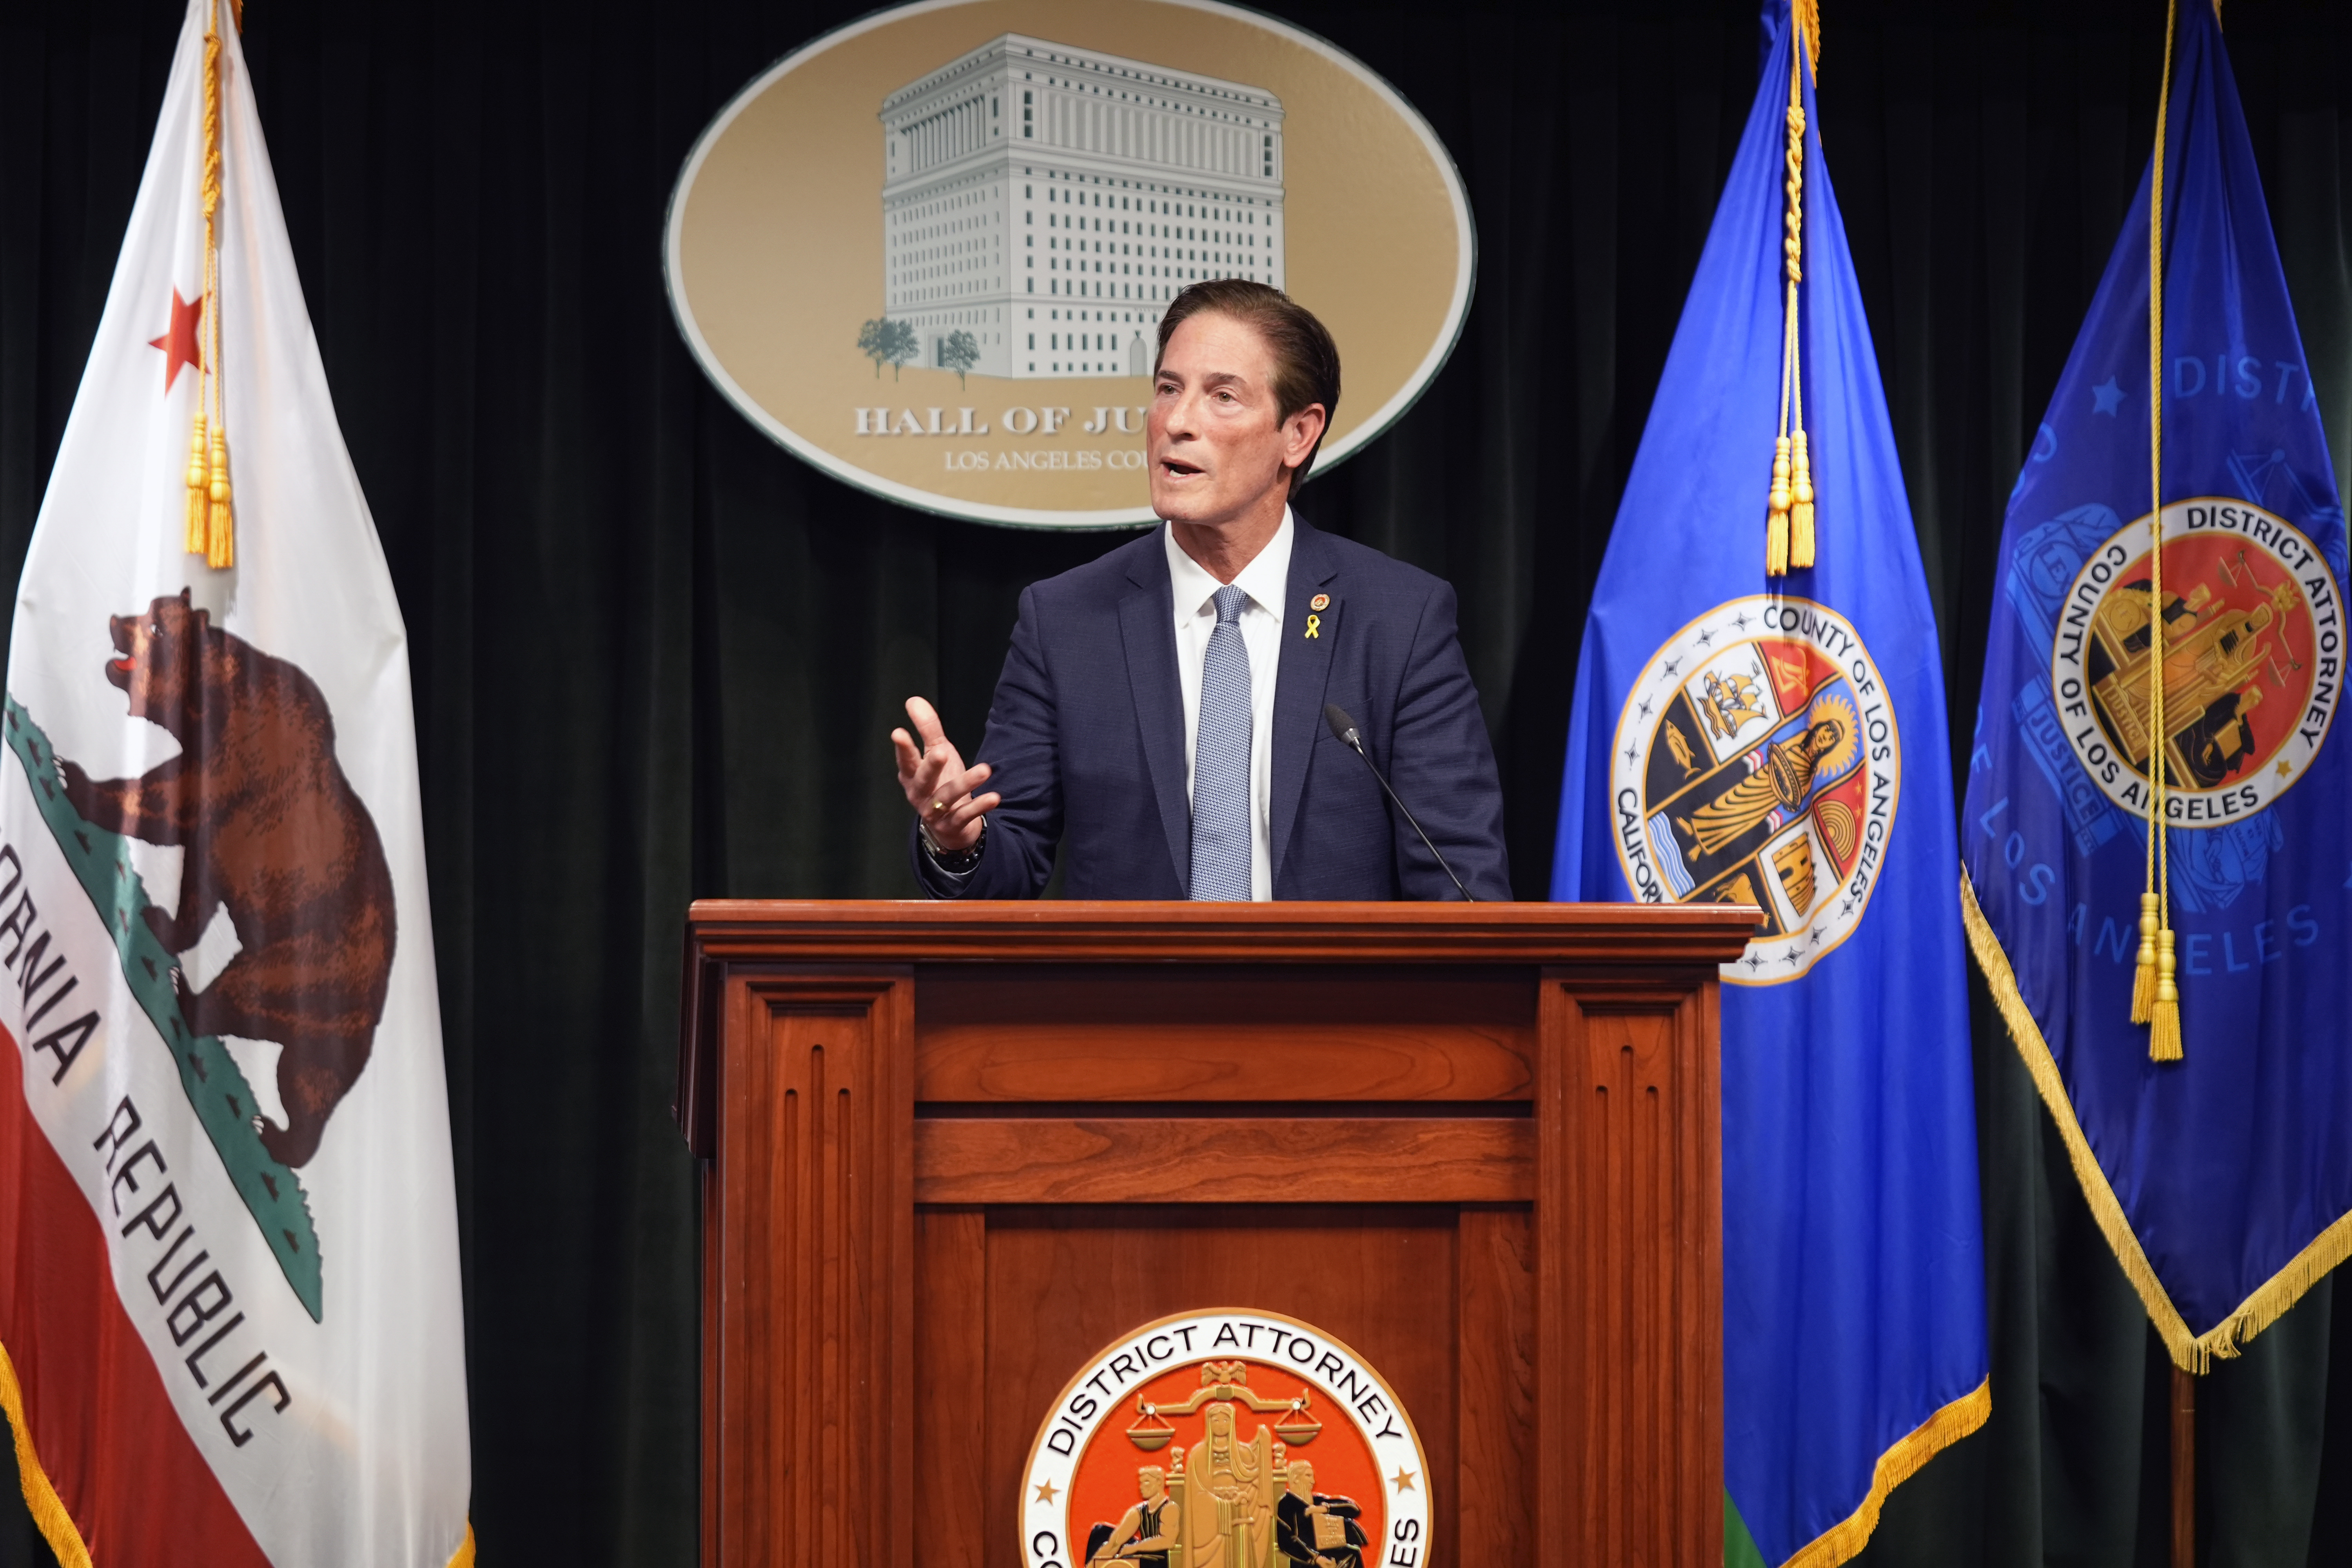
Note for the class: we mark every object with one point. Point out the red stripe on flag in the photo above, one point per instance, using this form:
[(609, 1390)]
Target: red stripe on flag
[(107, 1434)]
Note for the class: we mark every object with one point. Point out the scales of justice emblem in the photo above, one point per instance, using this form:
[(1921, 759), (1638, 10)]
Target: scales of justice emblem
[(1757, 762), (2253, 661), (1225, 1439)]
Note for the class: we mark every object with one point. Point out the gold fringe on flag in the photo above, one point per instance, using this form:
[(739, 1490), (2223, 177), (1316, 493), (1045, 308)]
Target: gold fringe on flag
[(2155, 995), (1789, 525), (210, 519), (1947, 1426), (41, 1500), (2263, 1306), (49, 1509)]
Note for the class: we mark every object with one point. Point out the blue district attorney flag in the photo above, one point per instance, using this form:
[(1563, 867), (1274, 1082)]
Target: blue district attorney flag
[(2223, 1179), (1779, 740)]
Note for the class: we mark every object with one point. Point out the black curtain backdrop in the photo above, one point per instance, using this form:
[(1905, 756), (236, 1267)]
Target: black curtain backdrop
[(657, 657)]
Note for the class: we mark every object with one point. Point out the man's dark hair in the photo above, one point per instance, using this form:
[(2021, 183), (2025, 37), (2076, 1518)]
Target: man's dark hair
[(1306, 360)]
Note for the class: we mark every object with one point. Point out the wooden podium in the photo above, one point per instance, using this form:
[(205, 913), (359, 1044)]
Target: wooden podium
[(952, 1149)]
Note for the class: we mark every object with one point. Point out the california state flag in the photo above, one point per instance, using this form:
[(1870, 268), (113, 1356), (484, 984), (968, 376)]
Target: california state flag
[(228, 1260)]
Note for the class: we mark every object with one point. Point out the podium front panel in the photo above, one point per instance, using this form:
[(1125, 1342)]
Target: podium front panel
[(1476, 1146)]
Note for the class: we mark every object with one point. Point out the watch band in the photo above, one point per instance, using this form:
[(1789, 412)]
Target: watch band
[(954, 862)]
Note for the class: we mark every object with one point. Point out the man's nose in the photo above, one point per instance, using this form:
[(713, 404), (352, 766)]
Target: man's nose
[(1177, 418)]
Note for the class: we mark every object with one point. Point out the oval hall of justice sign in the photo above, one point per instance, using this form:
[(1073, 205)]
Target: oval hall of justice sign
[(1226, 1439), (929, 252)]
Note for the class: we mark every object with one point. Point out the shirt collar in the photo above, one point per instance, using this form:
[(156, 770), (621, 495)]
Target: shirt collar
[(1264, 579)]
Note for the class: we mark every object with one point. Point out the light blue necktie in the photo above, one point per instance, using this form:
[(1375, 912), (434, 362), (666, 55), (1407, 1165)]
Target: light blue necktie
[(1221, 760)]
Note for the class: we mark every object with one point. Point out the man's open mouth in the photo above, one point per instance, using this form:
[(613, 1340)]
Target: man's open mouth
[(1176, 468)]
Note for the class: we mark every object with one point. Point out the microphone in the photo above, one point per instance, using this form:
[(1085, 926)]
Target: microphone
[(1344, 728)]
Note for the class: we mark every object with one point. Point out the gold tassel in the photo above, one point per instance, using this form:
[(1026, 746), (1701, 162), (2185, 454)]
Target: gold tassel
[(220, 535), (199, 489), (2144, 975), (1780, 551), (2164, 1007), (212, 519), (2164, 1021), (1800, 508), (1776, 530)]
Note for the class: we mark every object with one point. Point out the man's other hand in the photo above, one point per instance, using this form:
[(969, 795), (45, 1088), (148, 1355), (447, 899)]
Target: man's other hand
[(939, 786)]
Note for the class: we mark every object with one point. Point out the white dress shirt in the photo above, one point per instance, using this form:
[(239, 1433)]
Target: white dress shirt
[(1264, 580)]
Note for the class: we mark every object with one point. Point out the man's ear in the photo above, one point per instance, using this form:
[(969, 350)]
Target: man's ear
[(1300, 433), (1304, 428)]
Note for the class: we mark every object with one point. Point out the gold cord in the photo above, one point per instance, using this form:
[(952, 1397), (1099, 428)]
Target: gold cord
[(2158, 980), (211, 521), (1789, 527)]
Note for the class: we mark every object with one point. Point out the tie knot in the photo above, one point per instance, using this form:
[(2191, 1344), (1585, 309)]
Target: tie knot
[(1230, 600)]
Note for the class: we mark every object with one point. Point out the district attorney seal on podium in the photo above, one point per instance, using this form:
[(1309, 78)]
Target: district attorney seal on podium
[(1232, 1438), (928, 251)]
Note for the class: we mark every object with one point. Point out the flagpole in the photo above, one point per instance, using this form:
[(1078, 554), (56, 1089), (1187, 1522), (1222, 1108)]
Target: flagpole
[(2158, 1003), (2184, 1468)]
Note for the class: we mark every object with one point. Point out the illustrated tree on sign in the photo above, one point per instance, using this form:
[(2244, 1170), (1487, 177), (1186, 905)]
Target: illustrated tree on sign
[(883, 340), (958, 354)]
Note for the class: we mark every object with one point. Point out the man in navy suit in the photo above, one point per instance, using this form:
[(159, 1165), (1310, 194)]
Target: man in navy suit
[(1162, 708)]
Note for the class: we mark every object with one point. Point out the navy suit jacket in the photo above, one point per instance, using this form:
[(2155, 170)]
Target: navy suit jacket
[(1086, 738)]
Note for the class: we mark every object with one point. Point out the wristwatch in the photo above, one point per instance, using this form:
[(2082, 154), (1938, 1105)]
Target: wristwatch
[(954, 862)]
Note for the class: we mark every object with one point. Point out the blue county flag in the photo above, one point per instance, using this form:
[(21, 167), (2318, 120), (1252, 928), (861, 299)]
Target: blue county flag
[(230, 1329), (2223, 1176), (1750, 736)]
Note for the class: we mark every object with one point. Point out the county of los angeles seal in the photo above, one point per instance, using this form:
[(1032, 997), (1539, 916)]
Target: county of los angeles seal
[(1757, 762), (2253, 661), (1226, 1439)]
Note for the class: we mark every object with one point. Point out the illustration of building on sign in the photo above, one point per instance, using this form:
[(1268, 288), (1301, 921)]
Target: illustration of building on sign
[(1050, 200)]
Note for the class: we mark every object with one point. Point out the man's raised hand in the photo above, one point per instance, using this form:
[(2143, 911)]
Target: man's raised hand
[(939, 786)]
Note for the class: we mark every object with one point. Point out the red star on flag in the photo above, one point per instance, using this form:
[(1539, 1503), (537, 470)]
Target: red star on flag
[(179, 345)]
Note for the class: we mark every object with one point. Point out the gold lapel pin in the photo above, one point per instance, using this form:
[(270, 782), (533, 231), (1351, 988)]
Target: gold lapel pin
[(1319, 602)]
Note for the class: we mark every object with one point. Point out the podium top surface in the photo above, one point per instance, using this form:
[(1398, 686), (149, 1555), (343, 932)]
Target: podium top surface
[(1069, 932)]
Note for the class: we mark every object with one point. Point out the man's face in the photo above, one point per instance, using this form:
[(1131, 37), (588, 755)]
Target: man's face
[(1301, 1477), (1150, 1482), (1216, 437)]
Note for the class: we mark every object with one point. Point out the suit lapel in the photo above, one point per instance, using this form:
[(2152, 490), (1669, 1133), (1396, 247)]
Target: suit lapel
[(1302, 674), (1147, 624)]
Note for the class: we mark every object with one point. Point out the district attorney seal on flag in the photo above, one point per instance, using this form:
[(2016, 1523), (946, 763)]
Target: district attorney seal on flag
[(1232, 1439), (2255, 657)]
